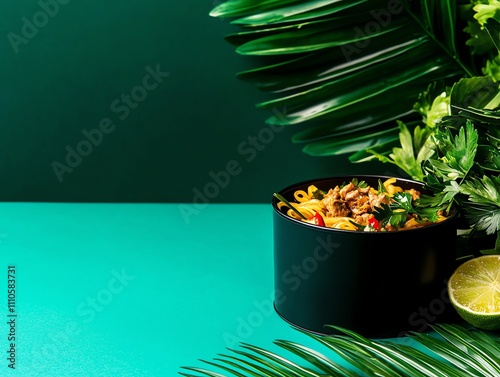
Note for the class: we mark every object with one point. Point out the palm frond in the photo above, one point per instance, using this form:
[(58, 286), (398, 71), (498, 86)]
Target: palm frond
[(351, 68), (448, 351), (469, 365)]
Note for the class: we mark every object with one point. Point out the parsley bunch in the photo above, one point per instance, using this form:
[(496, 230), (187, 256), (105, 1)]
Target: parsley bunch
[(455, 148), (465, 168), (457, 157)]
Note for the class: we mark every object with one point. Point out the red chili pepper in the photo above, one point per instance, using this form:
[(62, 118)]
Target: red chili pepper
[(373, 222), (318, 219)]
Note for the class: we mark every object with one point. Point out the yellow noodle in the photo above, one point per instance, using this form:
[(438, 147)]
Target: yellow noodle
[(390, 188), (346, 225), (339, 222), (389, 181), (313, 205), (441, 218), (292, 214), (281, 205), (413, 223), (309, 212), (310, 190), (301, 196)]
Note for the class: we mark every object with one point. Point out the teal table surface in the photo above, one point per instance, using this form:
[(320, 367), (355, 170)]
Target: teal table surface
[(133, 289)]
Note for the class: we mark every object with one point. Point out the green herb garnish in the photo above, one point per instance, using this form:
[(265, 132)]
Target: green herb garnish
[(387, 215), (381, 188), (401, 206), (318, 194), (362, 184)]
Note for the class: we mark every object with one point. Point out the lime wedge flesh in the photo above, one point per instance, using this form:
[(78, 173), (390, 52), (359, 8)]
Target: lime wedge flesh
[(474, 290)]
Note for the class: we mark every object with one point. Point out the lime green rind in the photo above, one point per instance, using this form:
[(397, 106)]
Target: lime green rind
[(488, 322)]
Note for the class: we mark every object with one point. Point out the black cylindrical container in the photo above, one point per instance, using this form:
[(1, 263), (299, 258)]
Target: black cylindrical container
[(379, 284)]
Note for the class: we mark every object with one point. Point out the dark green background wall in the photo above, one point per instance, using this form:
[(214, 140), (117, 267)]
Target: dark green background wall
[(64, 72)]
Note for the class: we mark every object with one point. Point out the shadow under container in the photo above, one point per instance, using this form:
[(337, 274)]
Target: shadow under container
[(378, 284)]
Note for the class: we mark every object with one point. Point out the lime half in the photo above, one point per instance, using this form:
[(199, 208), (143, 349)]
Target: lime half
[(474, 290)]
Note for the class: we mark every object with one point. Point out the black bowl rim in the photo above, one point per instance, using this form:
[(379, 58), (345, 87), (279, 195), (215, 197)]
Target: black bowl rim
[(347, 178)]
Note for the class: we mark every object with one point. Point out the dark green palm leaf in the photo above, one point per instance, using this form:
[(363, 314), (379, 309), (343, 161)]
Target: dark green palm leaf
[(383, 353), (482, 352), (463, 363), (298, 12), (317, 359), (240, 8), (318, 35), (247, 367), (384, 149), (345, 124), (202, 372), (450, 351), (359, 357), (350, 144), (329, 97), (283, 76), (278, 365), (321, 57)]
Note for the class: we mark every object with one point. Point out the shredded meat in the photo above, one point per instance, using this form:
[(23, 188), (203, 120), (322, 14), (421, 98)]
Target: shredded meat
[(352, 201), (377, 199), (335, 206), (349, 201), (363, 219)]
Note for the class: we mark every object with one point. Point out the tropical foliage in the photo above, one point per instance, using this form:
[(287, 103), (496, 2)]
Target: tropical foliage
[(347, 70), (413, 83), (458, 154), (452, 351)]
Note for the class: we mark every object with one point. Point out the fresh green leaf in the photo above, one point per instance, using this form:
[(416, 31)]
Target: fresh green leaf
[(482, 191), (483, 208), (386, 215), (403, 200)]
